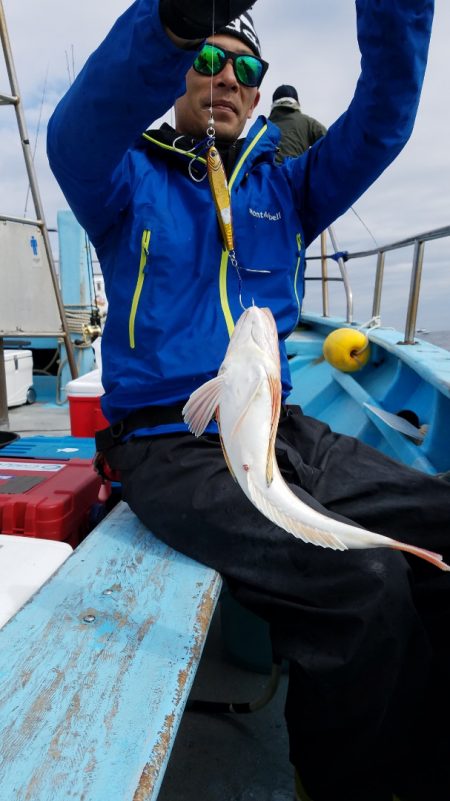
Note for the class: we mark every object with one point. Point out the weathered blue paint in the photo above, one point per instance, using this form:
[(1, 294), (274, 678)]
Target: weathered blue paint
[(96, 668)]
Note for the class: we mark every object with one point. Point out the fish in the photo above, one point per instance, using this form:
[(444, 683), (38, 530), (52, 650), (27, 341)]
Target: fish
[(245, 399), (221, 196)]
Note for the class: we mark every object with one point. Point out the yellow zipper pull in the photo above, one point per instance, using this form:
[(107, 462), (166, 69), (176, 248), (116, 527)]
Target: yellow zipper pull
[(221, 196)]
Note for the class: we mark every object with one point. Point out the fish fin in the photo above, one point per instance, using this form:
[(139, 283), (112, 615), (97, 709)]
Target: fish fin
[(297, 528), (429, 556), (275, 392), (202, 404), (225, 454)]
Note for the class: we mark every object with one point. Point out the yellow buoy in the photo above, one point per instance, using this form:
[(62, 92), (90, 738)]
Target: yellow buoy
[(347, 349)]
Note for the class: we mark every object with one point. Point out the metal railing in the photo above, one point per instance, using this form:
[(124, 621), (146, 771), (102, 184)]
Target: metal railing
[(324, 278), (417, 241)]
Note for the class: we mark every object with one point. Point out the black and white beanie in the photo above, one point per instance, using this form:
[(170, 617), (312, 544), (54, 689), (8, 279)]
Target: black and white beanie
[(242, 28)]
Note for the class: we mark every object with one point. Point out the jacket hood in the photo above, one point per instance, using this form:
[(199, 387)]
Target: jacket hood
[(286, 103)]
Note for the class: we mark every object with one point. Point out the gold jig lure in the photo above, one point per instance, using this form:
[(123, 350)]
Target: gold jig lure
[(221, 196)]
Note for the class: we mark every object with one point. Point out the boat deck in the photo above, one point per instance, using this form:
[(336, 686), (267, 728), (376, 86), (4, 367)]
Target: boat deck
[(43, 419), (215, 757)]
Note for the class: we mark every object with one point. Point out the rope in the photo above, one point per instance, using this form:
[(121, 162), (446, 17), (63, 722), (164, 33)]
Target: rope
[(78, 317)]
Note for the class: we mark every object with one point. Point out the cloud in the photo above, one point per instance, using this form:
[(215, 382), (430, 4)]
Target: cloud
[(311, 44)]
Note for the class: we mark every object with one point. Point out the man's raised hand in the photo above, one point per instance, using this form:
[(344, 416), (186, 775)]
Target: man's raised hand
[(193, 19)]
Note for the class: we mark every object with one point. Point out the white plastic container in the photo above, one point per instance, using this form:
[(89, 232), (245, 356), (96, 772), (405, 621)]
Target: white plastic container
[(83, 394), (25, 565), (19, 377)]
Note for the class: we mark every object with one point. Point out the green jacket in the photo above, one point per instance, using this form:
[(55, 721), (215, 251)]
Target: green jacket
[(298, 131)]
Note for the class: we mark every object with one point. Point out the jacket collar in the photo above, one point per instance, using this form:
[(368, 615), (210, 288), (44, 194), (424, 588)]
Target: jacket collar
[(259, 145)]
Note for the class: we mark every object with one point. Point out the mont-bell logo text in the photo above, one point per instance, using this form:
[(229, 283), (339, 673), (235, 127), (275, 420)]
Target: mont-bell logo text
[(265, 215)]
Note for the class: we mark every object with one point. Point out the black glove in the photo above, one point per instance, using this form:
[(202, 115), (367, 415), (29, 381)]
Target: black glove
[(192, 19)]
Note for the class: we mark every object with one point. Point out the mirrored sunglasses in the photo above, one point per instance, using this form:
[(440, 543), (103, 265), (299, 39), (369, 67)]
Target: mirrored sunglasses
[(249, 70)]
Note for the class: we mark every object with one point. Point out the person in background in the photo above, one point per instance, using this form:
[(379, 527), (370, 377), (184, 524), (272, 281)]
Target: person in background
[(365, 633), (298, 130)]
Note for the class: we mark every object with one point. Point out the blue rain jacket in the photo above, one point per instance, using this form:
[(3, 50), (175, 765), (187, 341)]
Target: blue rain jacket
[(173, 293)]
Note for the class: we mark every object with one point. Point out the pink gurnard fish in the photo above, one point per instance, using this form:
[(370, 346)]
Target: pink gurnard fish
[(245, 398)]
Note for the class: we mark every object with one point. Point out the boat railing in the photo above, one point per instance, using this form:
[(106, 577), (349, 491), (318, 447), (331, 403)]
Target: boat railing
[(417, 241)]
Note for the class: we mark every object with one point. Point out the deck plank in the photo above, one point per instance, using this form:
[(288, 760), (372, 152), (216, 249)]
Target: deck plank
[(88, 710)]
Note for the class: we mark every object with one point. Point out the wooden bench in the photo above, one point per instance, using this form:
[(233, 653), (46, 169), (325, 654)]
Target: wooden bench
[(96, 668)]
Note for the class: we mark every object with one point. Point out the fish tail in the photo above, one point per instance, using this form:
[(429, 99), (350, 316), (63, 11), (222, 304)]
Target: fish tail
[(326, 539), (429, 556)]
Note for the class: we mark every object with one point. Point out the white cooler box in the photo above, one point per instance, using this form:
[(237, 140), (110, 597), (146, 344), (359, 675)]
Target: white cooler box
[(19, 377), (25, 565)]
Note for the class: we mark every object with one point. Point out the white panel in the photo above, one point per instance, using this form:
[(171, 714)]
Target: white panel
[(27, 297)]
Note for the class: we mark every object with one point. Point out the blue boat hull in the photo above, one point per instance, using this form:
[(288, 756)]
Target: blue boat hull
[(398, 377)]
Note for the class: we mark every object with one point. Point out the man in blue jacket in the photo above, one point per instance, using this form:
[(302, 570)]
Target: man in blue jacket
[(364, 633)]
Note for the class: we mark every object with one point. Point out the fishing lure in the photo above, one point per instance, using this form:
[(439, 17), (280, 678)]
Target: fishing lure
[(221, 196)]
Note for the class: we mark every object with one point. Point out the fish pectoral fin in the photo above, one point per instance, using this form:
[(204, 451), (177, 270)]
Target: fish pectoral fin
[(275, 392), (202, 404)]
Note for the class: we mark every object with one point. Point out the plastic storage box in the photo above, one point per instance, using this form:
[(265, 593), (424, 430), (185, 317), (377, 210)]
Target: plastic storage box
[(41, 447), (19, 377), (47, 499), (84, 395), (25, 565)]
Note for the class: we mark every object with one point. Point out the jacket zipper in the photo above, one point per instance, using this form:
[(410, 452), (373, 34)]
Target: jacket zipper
[(145, 244), (297, 268)]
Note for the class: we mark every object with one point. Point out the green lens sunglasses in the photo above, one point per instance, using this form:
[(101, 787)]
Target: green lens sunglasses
[(249, 70)]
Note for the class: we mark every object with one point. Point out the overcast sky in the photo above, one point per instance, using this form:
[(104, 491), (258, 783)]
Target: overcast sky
[(309, 43)]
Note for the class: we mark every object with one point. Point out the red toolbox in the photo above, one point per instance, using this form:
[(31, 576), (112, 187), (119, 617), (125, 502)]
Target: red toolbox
[(47, 498)]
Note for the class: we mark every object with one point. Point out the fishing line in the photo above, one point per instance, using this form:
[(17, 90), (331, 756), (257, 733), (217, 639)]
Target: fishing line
[(70, 66), (217, 176), (90, 267), (352, 208), (210, 131), (38, 128)]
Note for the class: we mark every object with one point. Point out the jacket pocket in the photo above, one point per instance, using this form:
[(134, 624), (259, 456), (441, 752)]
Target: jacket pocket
[(145, 247)]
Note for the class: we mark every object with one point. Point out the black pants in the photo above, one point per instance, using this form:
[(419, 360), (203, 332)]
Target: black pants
[(366, 632)]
